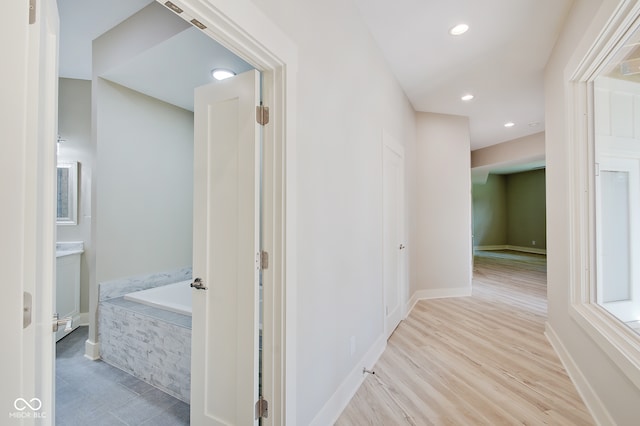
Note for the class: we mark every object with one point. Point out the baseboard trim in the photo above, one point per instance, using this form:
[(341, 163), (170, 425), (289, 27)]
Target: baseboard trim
[(436, 293), (334, 407), (591, 400), (81, 319), (92, 350), (491, 248), (531, 250)]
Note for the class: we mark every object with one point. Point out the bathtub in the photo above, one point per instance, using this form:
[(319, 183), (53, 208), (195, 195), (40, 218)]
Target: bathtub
[(144, 328), (171, 297)]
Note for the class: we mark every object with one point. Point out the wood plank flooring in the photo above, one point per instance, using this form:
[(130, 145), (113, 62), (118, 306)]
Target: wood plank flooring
[(479, 360)]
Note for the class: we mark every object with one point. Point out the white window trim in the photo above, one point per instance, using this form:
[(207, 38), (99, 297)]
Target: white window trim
[(618, 341)]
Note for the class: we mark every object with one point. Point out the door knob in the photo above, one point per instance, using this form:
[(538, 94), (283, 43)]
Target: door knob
[(67, 322), (198, 284)]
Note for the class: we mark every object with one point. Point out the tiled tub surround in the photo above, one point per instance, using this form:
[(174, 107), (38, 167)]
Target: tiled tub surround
[(148, 342), (122, 286)]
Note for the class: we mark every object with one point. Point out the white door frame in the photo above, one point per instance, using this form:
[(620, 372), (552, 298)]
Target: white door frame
[(29, 163), (390, 143), (243, 29), (29, 90)]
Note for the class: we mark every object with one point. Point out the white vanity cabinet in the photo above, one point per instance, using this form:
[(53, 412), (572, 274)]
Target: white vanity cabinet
[(68, 284)]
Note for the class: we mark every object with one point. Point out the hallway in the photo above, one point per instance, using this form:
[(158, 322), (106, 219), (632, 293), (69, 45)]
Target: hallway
[(480, 360)]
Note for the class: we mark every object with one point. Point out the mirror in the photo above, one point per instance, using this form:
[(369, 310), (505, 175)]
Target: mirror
[(67, 190)]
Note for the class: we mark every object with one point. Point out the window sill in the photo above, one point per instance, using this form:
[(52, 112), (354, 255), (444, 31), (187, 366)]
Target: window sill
[(618, 341)]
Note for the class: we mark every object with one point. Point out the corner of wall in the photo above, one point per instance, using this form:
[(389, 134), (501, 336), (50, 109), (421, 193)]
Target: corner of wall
[(436, 293)]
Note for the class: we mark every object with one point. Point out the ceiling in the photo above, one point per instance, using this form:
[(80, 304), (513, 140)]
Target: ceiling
[(82, 21), (168, 71), (171, 70), (500, 60)]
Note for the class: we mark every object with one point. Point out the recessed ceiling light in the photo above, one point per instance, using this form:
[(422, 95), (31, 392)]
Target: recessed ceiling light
[(467, 97), (509, 124), (459, 29), (222, 74), (534, 124)]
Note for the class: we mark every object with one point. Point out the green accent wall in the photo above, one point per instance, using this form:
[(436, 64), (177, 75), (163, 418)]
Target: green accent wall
[(490, 212), (511, 210), (526, 209)]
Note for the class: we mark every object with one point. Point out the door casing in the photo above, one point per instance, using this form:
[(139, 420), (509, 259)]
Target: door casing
[(243, 29), (30, 158), (391, 147)]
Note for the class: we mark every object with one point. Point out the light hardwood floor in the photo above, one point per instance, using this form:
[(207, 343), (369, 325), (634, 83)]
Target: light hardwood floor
[(479, 360)]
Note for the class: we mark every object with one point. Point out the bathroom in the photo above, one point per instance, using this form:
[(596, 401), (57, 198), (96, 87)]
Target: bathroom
[(132, 157)]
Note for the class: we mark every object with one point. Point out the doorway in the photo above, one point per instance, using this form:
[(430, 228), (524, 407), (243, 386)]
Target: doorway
[(142, 164), (244, 38), (394, 239), (509, 210)]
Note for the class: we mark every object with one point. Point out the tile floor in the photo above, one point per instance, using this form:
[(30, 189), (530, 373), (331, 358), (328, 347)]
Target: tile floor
[(95, 393)]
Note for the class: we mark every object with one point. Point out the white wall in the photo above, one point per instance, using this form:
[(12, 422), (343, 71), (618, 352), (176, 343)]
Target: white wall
[(145, 184), (143, 178), (527, 148), (440, 238), (74, 126), (599, 374), (346, 97)]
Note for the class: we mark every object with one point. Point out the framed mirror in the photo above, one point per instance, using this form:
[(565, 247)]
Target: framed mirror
[(67, 191)]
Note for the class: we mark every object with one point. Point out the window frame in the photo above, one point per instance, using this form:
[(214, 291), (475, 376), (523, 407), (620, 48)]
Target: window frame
[(616, 339)]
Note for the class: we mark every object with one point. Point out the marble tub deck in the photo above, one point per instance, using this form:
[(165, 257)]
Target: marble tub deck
[(152, 312), (150, 343)]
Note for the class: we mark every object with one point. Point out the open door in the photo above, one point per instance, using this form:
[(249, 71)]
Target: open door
[(27, 170), (225, 330)]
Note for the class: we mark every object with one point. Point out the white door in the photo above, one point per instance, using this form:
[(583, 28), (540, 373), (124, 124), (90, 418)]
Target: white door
[(393, 235), (225, 339), (28, 107)]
